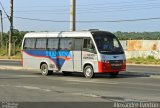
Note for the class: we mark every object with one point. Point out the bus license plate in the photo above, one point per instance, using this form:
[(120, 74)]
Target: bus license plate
[(116, 64)]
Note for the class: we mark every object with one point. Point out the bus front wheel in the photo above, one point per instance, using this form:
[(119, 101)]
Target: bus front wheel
[(44, 70), (88, 71)]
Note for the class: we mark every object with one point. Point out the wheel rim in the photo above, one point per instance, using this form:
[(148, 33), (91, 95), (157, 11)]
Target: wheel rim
[(44, 69), (88, 72)]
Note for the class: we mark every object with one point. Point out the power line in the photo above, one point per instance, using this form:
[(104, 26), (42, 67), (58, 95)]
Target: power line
[(93, 11), (120, 10), (34, 19), (4, 17), (109, 21), (118, 3), (60, 6), (51, 13), (93, 8), (120, 6), (4, 10)]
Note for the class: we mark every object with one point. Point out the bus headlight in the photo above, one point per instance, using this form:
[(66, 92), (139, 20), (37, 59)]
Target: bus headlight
[(124, 61), (105, 61)]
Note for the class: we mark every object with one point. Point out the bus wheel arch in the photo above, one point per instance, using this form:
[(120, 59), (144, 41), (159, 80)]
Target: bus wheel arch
[(88, 70)]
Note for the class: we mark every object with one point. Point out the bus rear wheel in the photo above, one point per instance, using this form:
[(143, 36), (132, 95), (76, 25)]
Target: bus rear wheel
[(44, 70), (88, 71)]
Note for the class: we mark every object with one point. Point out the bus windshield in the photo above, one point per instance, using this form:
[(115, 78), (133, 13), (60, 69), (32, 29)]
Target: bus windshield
[(107, 43)]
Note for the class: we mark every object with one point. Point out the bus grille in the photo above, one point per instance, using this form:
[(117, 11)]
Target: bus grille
[(116, 64)]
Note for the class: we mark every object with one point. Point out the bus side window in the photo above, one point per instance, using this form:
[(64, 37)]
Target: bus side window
[(78, 44), (53, 44), (41, 43), (29, 43), (88, 45), (66, 44)]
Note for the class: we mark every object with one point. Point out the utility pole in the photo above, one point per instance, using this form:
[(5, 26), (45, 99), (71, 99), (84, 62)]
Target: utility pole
[(11, 29), (72, 15), (1, 29)]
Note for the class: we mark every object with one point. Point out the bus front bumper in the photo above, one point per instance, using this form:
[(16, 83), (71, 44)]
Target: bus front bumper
[(108, 67)]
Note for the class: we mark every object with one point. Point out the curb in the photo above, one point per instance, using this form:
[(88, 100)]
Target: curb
[(152, 65), (11, 60), (155, 76), (11, 67), (2, 67), (151, 75)]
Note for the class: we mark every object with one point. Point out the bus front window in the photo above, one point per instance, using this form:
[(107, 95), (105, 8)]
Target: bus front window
[(107, 44)]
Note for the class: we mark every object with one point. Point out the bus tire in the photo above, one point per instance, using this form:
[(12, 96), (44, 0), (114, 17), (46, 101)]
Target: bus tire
[(44, 70), (88, 71), (113, 74)]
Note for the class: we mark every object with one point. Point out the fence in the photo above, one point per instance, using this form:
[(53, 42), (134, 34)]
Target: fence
[(141, 48)]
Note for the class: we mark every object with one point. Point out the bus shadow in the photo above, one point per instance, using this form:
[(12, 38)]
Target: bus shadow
[(122, 75), (97, 76)]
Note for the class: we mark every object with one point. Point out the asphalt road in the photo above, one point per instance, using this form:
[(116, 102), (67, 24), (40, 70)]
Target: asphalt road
[(31, 86), (10, 63), (150, 70)]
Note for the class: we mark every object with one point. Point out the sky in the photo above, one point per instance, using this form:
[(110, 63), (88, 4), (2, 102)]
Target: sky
[(98, 11)]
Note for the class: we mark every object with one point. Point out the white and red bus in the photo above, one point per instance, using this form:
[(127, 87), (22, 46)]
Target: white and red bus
[(89, 52)]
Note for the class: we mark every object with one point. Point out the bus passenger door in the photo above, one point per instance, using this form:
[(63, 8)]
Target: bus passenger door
[(77, 55), (64, 55), (89, 54)]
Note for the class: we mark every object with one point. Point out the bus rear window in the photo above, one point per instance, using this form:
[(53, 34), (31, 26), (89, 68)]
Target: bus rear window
[(29, 43)]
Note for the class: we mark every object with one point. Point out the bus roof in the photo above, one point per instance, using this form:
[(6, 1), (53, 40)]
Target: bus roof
[(64, 34), (58, 34)]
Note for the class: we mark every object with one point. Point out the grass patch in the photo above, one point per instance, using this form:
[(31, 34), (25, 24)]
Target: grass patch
[(15, 55), (141, 60)]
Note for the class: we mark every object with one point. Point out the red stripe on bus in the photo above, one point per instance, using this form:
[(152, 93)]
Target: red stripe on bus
[(39, 56)]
